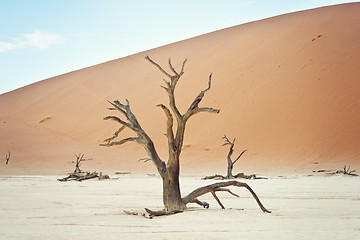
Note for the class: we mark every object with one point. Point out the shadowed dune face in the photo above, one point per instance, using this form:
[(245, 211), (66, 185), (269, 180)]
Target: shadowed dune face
[(288, 89)]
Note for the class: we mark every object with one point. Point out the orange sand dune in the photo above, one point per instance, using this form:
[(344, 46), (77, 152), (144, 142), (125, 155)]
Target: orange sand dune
[(288, 89)]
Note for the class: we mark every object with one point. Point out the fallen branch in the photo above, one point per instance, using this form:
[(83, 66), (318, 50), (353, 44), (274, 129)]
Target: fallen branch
[(79, 176), (346, 172), (122, 173), (239, 175)]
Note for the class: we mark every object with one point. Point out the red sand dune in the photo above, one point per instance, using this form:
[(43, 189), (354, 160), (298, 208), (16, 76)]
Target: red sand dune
[(288, 89)]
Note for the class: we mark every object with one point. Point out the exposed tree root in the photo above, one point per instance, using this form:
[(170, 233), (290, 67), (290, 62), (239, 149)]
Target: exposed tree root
[(193, 198), (161, 213), (150, 213)]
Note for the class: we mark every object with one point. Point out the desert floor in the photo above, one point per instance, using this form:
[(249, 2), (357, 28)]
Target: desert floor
[(303, 207)]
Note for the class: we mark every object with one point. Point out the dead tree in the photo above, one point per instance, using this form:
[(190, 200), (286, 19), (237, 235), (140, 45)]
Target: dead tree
[(346, 172), (79, 175), (230, 165), (169, 171), (229, 161), (7, 158)]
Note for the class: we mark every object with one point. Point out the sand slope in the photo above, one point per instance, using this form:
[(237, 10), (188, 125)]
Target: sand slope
[(288, 89)]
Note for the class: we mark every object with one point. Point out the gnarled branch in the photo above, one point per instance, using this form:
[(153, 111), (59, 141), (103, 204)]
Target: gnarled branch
[(221, 187), (125, 140), (217, 199), (239, 156), (194, 107), (144, 159), (141, 138), (203, 204), (116, 119), (227, 141), (227, 190), (170, 88), (158, 66), (116, 134)]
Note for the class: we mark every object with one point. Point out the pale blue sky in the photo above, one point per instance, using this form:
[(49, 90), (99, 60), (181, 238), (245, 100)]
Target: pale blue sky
[(45, 38)]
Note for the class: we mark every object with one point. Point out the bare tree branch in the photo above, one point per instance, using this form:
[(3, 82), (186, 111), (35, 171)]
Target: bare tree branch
[(227, 141), (79, 159), (172, 68), (226, 190), (116, 134), (125, 140), (217, 199), (194, 107), (158, 66), (239, 156), (182, 68), (209, 110), (144, 159), (142, 138), (203, 204), (218, 187), (117, 107), (116, 119), (170, 85)]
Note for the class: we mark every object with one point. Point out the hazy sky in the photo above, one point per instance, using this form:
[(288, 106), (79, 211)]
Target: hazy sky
[(45, 38)]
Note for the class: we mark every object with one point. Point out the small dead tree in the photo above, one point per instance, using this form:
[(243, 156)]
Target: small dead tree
[(229, 161), (346, 171), (169, 172), (79, 175), (7, 158)]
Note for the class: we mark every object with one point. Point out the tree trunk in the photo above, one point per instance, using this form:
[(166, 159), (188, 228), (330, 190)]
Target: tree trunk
[(171, 191), (230, 162), (229, 169)]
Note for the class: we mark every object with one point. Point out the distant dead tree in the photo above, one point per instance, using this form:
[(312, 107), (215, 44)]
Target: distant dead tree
[(346, 171), (79, 175), (229, 161), (169, 172), (230, 164), (7, 158)]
